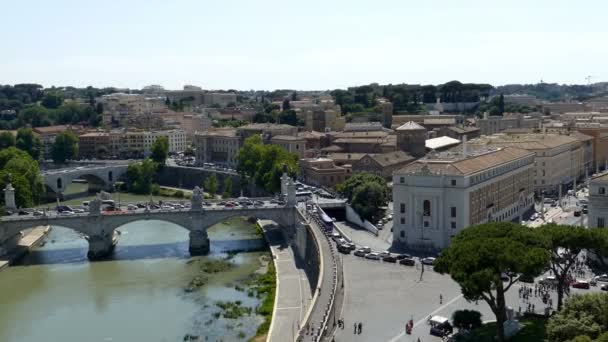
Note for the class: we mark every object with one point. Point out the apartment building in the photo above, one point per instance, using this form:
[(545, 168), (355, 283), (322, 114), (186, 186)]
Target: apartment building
[(598, 201), (219, 146), (120, 107), (47, 136), (323, 172), (383, 164), (290, 143), (324, 120), (436, 197), (266, 130), (560, 158), (94, 144)]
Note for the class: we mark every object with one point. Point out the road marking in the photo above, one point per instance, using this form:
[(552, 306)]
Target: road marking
[(289, 308), (423, 319)]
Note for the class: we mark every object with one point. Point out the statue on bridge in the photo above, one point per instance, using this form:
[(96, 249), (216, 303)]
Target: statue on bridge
[(197, 198)]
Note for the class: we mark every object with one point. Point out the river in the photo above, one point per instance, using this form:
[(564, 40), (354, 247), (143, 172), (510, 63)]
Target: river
[(140, 294)]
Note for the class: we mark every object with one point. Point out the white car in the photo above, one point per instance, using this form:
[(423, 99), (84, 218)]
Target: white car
[(373, 256), (428, 261), (37, 213), (78, 211), (384, 254), (603, 278), (366, 249)]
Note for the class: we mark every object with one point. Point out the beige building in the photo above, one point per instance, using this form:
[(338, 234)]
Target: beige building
[(323, 172), (47, 136), (267, 130), (120, 107), (218, 146), (291, 144), (383, 164), (436, 197), (321, 120), (94, 144), (496, 124), (598, 201), (559, 159)]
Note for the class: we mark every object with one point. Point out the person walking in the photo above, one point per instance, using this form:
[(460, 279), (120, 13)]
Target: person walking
[(360, 327), (355, 325), (440, 299)]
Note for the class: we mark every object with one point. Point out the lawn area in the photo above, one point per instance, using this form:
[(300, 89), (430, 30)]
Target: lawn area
[(533, 331)]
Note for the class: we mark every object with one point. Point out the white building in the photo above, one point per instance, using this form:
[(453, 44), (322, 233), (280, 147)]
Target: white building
[(177, 140), (436, 197), (598, 201)]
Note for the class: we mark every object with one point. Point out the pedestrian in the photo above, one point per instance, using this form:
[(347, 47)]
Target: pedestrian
[(418, 339), (355, 325), (360, 327), (440, 299)]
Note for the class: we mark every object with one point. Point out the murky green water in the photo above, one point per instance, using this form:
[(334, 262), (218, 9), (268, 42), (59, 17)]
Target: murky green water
[(139, 295)]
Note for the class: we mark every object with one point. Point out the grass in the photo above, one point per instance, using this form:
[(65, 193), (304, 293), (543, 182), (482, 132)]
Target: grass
[(233, 310), (215, 266), (533, 331), (267, 285)]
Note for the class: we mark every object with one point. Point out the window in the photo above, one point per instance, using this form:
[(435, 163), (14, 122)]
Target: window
[(426, 224), (602, 190), (403, 220), (453, 225), (402, 208), (600, 222), (402, 180), (453, 212), (402, 234), (453, 182), (426, 208)]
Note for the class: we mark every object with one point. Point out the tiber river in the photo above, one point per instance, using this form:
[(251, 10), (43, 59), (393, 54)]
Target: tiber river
[(143, 293)]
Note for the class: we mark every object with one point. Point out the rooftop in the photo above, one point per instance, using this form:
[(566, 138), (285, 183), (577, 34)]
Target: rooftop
[(256, 126), (391, 158), (55, 129), (287, 137), (531, 141), (410, 125), (446, 121), (227, 132), (458, 129), (440, 142)]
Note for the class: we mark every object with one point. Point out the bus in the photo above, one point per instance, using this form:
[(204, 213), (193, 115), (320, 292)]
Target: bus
[(328, 223), (303, 195)]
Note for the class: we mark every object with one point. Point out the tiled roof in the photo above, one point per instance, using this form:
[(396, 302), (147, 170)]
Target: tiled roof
[(410, 125), (391, 158)]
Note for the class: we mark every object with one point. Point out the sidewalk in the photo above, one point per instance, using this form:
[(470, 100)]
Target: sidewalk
[(293, 292)]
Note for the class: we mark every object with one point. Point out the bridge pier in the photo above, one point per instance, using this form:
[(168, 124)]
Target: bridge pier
[(102, 245), (199, 242)]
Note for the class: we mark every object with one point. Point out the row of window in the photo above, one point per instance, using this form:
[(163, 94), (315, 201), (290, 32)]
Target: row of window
[(426, 209)]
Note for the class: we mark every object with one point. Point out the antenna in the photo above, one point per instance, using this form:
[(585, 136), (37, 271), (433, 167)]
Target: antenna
[(588, 78)]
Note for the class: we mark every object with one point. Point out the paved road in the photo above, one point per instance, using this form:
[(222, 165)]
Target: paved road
[(293, 290)]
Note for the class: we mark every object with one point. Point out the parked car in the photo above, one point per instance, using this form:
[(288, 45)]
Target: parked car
[(22, 212), (403, 256), (428, 261), (131, 207), (603, 278), (344, 249), (390, 259), (78, 211), (372, 256), (384, 254), (229, 205), (360, 252), (440, 326), (580, 284), (604, 287), (335, 236), (407, 262), (366, 249), (37, 213), (351, 246), (550, 280)]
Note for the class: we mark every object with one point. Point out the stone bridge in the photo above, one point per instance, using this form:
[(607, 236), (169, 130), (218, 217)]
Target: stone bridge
[(99, 226), (102, 175)]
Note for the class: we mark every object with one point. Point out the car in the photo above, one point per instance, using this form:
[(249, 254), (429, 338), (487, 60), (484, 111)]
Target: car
[(407, 262), (351, 246), (554, 204), (221, 203), (360, 252), (372, 256), (549, 280), (403, 256), (167, 207), (603, 278), (37, 213), (344, 249), (281, 203), (390, 259), (22, 213), (335, 236), (384, 254), (366, 249), (78, 211), (141, 205), (131, 207), (380, 225), (428, 261), (229, 205), (525, 278), (585, 210), (580, 284), (66, 212), (341, 241), (389, 217), (207, 204), (604, 287)]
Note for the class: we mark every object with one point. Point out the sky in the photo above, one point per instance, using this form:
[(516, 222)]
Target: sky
[(266, 44)]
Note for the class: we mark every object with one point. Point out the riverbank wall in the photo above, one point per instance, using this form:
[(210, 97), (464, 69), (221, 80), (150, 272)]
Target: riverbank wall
[(24, 245)]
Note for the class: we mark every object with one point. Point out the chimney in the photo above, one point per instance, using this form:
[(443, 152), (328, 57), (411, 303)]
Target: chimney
[(464, 145)]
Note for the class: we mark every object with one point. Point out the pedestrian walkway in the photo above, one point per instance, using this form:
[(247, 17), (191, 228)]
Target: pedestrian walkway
[(293, 292)]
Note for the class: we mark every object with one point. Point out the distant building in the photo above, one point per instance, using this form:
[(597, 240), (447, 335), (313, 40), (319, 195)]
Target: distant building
[(458, 132), (598, 201), (321, 120), (47, 136), (436, 197), (498, 123), (383, 164), (411, 138), (323, 172), (94, 144), (290, 143), (219, 146), (267, 130)]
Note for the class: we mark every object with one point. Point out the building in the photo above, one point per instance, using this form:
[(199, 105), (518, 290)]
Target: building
[(362, 142), (564, 107), (436, 197), (598, 201), (291, 143), (600, 144), (266, 130), (398, 120), (94, 144), (521, 100), (560, 158), (458, 132), (218, 146), (324, 120), (411, 138), (47, 136), (323, 172), (383, 164), (441, 143), (219, 99), (118, 108)]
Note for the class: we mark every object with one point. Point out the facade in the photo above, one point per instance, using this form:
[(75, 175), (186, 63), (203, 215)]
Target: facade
[(600, 145), (458, 132), (47, 136), (291, 144), (323, 172), (219, 146), (94, 144), (560, 158), (598, 201), (120, 107), (383, 164), (436, 197), (267, 130), (324, 120), (411, 138)]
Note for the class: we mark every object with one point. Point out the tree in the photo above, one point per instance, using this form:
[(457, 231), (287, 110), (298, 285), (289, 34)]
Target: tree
[(210, 184), (227, 187), (501, 104), (286, 106), (584, 315), (480, 255), (294, 96), (347, 188), (7, 139), (52, 100), (160, 150), (466, 319), (101, 151), (65, 147), (29, 142), (288, 117), (99, 108), (140, 176), (367, 200), (565, 243), (25, 176)]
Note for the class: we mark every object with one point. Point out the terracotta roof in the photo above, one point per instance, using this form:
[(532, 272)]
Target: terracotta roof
[(287, 137), (527, 141), (410, 125), (463, 129), (339, 156), (448, 121), (332, 148), (457, 164), (391, 158)]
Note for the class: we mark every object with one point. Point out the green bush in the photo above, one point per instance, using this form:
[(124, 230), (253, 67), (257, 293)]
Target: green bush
[(155, 189), (178, 194)]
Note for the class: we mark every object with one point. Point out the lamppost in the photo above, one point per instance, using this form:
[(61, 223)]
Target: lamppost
[(419, 212)]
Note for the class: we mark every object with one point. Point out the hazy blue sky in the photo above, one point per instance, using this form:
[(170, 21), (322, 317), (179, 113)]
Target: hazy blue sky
[(307, 44)]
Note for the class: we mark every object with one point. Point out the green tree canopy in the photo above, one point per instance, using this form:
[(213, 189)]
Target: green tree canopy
[(65, 147), (466, 319), (288, 117), (583, 315), (7, 139), (25, 175), (210, 184), (29, 142), (368, 198), (265, 163), (479, 255), (140, 176), (347, 188), (160, 150), (52, 100), (227, 187)]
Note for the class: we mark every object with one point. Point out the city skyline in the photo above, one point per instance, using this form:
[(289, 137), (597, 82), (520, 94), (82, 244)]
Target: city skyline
[(312, 46)]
